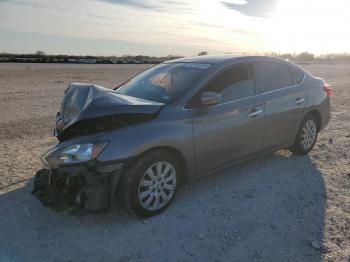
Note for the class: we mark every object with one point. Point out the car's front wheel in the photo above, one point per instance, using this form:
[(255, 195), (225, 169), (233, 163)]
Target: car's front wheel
[(307, 136), (149, 185)]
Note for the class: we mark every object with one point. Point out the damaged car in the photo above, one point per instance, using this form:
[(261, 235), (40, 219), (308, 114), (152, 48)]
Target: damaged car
[(173, 123)]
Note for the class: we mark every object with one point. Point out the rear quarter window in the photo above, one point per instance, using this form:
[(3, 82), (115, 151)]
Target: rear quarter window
[(297, 75), (272, 76)]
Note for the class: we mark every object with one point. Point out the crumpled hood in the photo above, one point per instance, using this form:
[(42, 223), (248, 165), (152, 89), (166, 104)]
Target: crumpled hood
[(85, 101)]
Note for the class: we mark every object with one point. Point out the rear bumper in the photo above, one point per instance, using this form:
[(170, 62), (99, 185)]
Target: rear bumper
[(78, 186), (325, 110)]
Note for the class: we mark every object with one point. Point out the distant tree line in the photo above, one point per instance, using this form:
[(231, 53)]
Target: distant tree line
[(41, 57), (309, 57), (304, 56)]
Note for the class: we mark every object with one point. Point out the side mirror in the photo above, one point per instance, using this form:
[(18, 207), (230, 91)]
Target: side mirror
[(210, 98)]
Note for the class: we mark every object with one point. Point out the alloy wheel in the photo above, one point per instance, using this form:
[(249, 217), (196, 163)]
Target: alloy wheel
[(157, 186), (308, 134)]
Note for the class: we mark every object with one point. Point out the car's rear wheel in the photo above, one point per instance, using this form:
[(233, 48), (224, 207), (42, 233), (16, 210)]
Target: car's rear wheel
[(148, 186), (307, 136)]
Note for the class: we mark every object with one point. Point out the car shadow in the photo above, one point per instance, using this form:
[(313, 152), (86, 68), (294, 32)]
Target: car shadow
[(268, 209)]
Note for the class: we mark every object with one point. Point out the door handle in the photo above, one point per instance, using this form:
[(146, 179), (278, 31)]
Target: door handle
[(298, 101), (255, 113)]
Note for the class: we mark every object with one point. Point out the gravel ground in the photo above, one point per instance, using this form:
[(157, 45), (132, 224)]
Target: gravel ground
[(279, 207)]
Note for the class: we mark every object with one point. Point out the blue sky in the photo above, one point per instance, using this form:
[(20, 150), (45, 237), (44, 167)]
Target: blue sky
[(156, 27)]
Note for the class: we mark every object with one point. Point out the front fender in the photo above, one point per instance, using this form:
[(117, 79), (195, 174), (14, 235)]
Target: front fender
[(132, 141)]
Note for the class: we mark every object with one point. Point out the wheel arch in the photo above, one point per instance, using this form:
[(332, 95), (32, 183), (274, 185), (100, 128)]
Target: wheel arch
[(296, 148), (184, 176), (315, 113)]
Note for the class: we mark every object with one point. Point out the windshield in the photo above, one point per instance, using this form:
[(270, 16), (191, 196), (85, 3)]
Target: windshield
[(163, 83)]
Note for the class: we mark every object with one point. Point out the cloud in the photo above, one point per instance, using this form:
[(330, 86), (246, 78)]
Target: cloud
[(159, 6), (132, 3), (170, 25), (239, 2), (36, 5), (229, 29), (53, 44), (255, 8)]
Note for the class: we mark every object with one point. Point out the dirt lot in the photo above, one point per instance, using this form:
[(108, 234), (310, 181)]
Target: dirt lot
[(279, 207)]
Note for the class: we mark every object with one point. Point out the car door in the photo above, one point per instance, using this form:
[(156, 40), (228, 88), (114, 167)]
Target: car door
[(232, 129), (285, 100)]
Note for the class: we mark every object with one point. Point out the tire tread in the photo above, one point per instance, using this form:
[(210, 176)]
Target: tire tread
[(296, 148), (129, 181)]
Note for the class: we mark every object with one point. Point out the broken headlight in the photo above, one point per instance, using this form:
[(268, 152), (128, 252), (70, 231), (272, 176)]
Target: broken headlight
[(73, 154)]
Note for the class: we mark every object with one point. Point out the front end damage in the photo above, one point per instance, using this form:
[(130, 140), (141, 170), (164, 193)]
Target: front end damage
[(74, 177), (88, 109), (91, 187)]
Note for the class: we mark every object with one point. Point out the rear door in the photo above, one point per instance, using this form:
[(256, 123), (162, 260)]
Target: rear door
[(284, 98), (233, 129)]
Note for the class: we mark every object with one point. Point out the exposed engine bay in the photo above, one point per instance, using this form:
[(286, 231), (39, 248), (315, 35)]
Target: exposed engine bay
[(91, 186), (101, 124), (88, 109)]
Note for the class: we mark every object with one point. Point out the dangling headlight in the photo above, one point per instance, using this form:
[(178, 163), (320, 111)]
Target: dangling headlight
[(73, 154)]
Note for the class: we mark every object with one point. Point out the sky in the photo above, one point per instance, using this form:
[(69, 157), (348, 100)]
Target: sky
[(174, 27)]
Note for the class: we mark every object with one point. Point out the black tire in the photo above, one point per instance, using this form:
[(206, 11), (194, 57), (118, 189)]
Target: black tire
[(298, 148), (128, 186), (41, 180)]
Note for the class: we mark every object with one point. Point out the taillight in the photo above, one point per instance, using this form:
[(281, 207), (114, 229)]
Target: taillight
[(328, 89)]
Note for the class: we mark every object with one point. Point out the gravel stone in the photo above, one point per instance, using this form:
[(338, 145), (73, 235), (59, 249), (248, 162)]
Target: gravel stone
[(260, 210)]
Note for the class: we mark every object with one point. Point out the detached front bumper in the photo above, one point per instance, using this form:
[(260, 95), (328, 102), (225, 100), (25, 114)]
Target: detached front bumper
[(87, 186)]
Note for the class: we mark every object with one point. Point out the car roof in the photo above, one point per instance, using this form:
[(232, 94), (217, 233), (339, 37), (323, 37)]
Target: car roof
[(224, 59)]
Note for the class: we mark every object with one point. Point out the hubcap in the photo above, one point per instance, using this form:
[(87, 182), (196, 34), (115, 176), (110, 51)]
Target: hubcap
[(157, 186), (308, 134)]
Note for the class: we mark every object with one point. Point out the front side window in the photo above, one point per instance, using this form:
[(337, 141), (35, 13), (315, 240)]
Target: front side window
[(233, 84), (163, 83), (272, 76)]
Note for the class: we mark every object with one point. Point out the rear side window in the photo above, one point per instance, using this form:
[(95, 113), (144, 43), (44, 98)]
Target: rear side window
[(297, 75), (233, 84), (272, 76)]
